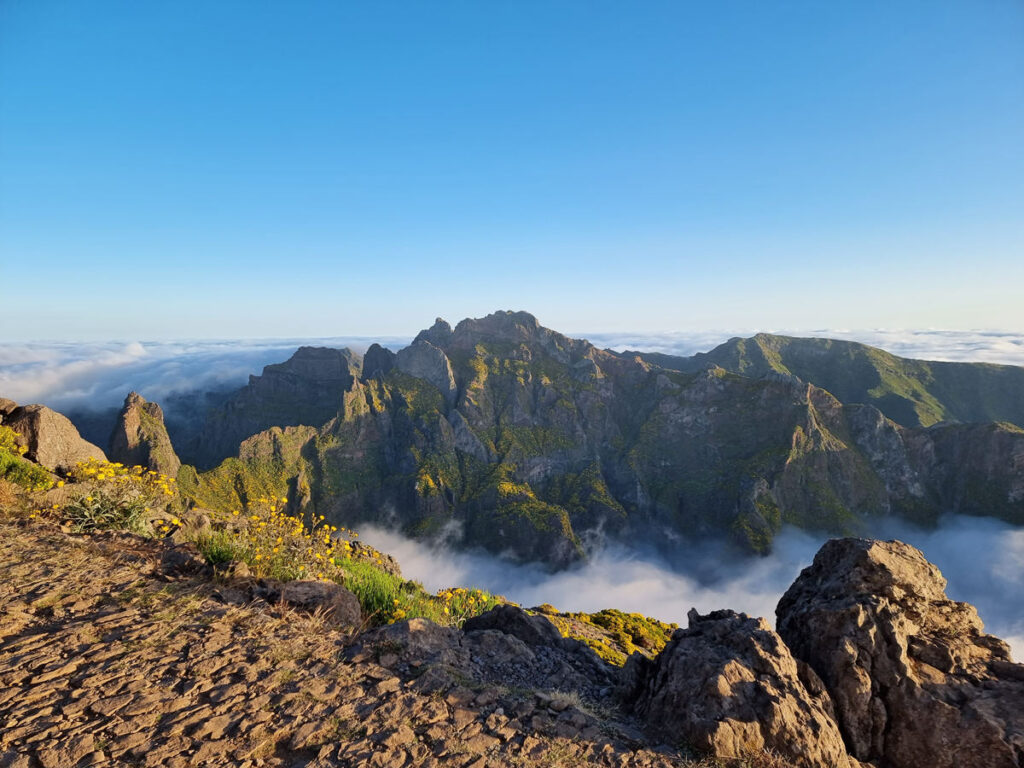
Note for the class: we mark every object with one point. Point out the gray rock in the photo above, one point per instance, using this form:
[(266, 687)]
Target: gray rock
[(425, 361), (532, 630), (914, 679), (340, 605), (728, 686), (439, 334), (52, 439), (377, 361), (140, 437)]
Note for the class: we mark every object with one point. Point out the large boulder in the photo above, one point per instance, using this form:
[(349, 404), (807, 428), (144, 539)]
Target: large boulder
[(728, 686), (914, 679), (512, 620), (338, 604), (140, 437), (50, 437)]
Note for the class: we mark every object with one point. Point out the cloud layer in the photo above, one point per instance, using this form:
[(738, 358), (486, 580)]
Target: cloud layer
[(983, 560), (96, 376)]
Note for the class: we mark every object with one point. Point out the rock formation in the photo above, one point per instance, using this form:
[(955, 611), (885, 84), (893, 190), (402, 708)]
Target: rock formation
[(424, 361), (914, 679), (52, 440), (728, 686), (378, 361), (140, 437), (6, 406)]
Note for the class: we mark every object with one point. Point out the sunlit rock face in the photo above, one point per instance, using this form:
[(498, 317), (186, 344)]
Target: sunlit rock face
[(914, 679)]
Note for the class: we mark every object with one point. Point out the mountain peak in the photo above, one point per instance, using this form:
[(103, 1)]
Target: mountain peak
[(439, 334)]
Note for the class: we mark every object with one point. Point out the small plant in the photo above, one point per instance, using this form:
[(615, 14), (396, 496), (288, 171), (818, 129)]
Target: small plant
[(101, 511)]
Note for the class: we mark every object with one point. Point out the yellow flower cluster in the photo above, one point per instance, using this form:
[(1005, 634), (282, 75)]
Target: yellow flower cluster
[(117, 473), (283, 546), (461, 603)]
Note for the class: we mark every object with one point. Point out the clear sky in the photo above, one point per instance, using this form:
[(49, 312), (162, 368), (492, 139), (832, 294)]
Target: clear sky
[(241, 169)]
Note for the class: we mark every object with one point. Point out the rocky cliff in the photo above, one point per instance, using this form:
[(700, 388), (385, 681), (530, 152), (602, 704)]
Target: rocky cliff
[(306, 389), (140, 437), (524, 441), (914, 679)]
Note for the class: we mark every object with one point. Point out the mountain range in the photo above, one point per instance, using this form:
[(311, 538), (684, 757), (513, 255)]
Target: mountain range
[(503, 434)]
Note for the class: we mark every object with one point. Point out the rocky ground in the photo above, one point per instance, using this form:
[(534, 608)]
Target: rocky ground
[(106, 659)]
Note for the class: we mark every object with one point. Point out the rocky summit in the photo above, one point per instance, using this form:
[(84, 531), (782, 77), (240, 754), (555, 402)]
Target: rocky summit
[(522, 441), (914, 679)]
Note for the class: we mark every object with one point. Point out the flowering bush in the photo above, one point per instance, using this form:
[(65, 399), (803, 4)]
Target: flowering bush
[(277, 545), (17, 470), (116, 497)]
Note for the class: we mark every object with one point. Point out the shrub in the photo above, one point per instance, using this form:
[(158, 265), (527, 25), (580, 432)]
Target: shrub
[(15, 469)]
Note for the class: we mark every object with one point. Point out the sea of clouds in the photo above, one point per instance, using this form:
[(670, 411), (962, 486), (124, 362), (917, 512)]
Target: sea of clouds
[(983, 559)]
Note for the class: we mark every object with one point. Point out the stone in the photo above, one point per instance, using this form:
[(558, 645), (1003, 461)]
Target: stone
[(339, 604), (51, 438), (729, 687), (419, 640), (6, 406), (183, 560), (140, 437), (532, 630), (914, 678)]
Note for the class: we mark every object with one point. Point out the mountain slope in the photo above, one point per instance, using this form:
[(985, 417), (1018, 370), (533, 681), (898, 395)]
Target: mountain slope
[(915, 393)]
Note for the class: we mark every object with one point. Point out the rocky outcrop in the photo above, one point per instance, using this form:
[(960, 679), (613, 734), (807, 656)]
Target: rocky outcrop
[(728, 686), (6, 406), (337, 604), (532, 630), (439, 334), (140, 437), (425, 361), (51, 439), (914, 679)]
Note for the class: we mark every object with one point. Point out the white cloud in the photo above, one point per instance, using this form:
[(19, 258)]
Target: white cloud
[(980, 557), (93, 376)]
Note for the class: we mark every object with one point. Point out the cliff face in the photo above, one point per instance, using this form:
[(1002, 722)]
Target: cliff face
[(305, 389), (524, 441), (140, 437)]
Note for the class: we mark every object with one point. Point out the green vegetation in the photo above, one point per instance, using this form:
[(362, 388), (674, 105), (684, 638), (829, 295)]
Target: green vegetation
[(17, 470), (910, 392), (613, 635)]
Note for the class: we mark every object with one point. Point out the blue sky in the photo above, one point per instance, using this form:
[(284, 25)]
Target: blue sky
[(259, 169)]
